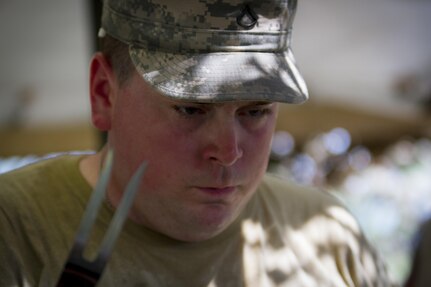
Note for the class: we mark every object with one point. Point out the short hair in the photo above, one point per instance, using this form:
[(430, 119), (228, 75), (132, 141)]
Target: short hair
[(118, 56)]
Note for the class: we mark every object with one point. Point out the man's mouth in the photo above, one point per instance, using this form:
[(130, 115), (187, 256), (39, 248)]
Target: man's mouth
[(218, 191)]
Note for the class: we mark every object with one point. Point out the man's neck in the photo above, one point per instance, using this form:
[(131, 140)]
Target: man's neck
[(90, 165)]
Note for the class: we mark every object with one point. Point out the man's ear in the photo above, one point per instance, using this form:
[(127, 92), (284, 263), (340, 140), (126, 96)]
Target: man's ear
[(102, 92)]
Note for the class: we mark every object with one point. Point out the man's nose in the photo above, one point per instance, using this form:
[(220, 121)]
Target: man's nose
[(224, 146)]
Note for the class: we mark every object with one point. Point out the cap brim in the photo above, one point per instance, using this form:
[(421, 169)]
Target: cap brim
[(222, 76)]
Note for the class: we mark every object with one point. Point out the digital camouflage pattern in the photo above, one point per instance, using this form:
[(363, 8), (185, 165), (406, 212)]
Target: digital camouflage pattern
[(210, 51), (200, 26)]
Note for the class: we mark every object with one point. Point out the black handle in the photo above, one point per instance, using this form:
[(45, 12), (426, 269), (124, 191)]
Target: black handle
[(76, 276)]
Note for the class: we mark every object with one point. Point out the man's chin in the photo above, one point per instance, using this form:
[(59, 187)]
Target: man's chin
[(208, 223)]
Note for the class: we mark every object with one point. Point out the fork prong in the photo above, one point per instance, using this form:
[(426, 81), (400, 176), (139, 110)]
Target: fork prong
[(121, 214), (93, 206), (78, 267)]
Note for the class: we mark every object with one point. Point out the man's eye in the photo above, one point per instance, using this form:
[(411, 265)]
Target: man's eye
[(258, 112), (189, 110)]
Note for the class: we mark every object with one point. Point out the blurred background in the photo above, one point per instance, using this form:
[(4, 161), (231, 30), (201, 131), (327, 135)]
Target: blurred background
[(365, 133)]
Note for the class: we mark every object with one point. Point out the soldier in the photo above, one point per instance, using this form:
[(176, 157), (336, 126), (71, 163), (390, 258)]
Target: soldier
[(193, 88)]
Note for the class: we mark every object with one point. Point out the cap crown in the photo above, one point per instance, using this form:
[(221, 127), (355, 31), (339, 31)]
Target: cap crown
[(201, 26)]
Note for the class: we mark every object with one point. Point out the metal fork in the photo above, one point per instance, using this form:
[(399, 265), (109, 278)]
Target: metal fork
[(78, 271)]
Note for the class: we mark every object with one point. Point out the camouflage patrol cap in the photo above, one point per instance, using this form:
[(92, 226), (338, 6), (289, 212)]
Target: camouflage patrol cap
[(210, 51)]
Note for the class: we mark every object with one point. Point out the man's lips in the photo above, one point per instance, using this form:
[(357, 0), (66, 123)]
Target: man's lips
[(218, 191)]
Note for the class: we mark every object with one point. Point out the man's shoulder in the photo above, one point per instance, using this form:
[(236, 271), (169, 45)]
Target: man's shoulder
[(36, 179), (316, 227), (295, 205), (41, 167), (286, 191)]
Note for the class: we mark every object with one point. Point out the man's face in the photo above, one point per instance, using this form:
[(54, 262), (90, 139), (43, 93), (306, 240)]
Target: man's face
[(204, 160)]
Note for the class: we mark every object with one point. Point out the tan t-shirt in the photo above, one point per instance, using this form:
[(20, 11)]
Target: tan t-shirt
[(287, 236)]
